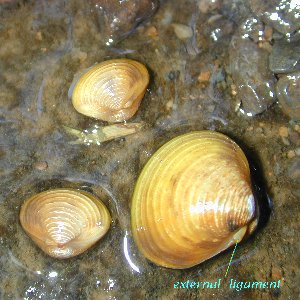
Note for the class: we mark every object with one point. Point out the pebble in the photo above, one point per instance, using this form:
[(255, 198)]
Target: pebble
[(283, 131), (204, 76), (234, 92), (39, 36), (40, 165), (288, 91), (265, 45), (291, 154), (152, 32), (276, 273), (169, 104), (285, 56), (182, 31)]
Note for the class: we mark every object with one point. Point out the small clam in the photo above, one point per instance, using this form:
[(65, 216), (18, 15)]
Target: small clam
[(193, 200), (64, 222), (110, 91)]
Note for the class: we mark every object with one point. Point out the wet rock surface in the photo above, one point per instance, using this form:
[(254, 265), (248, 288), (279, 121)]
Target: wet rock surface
[(283, 15), (255, 83), (219, 28), (285, 56), (288, 91), (43, 45), (117, 19), (251, 29)]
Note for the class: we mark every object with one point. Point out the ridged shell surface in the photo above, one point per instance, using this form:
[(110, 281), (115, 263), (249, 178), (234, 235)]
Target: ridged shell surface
[(192, 200), (64, 222), (110, 91)]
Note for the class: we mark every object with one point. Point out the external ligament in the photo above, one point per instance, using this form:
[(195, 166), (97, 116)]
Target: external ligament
[(233, 284), (239, 285)]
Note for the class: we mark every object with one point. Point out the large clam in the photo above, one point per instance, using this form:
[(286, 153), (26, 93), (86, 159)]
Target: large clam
[(110, 91), (193, 200), (64, 222)]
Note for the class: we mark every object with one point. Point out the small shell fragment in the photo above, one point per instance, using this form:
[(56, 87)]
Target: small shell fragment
[(99, 134)]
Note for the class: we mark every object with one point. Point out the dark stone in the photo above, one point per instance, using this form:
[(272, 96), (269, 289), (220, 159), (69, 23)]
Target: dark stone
[(251, 75), (283, 15), (285, 57)]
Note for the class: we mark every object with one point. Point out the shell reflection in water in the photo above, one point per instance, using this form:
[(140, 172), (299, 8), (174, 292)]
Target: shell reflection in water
[(193, 200), (110, 91), (64, 222)]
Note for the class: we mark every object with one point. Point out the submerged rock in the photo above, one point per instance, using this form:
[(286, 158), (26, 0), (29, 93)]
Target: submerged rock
[(285, 56), (283, 15), (252, 28), (117, 19), (288, 91), (218, 28), (251, 75)]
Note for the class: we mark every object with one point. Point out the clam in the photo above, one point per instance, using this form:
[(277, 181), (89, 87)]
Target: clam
[(64, 222), (110, 91), (193, 200)]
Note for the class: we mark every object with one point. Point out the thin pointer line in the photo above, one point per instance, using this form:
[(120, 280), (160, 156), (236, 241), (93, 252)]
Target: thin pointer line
[(231, 259)]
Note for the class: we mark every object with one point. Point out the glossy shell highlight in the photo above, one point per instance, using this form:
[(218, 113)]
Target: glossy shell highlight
[(193, 200), (64, 222), (110, 91)]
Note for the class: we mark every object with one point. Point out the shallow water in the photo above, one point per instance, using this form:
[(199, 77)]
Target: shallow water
[(43, 45)]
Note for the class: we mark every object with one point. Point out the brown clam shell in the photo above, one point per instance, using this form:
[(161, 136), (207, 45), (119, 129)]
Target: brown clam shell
[(192, 200), (110, 91), (64, 222)]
